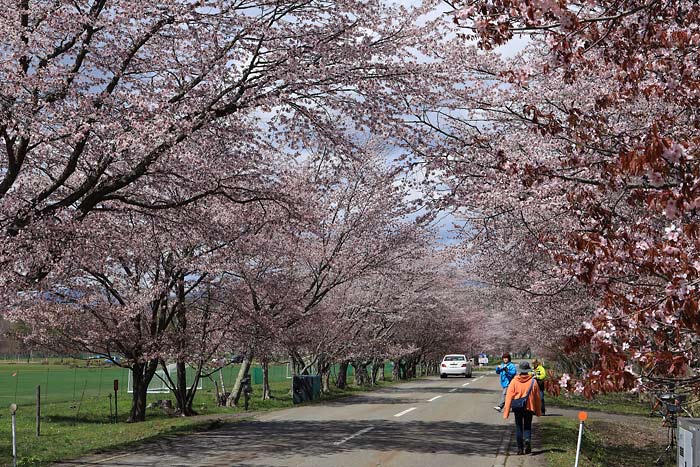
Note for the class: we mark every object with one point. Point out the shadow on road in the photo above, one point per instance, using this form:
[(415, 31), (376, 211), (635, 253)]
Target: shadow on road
[(440, 390), (393, 396), (374, 399), (246, 441)]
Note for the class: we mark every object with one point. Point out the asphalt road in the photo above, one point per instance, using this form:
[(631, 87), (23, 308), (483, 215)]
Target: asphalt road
[(432, 422)]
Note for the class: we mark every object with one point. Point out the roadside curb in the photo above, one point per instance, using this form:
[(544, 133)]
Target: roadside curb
[(502, 454)]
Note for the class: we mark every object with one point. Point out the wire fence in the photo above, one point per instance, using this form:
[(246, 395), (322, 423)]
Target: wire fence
[(58, 383), (76, 381)]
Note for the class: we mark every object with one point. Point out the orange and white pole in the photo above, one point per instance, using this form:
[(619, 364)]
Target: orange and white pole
[(582, 416)]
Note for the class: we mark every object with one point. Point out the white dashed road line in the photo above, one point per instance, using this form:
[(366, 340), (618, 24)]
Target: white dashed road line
[(362, 431), (453, 390), (405, 412), (436, 397), (465, 384)]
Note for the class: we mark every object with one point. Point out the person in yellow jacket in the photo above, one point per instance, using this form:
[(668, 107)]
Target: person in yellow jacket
[(523, 386), (540, 375)]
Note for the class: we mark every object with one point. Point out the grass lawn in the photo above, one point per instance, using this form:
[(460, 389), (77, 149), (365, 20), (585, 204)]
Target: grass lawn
[(619, 403), (619, 433), (604, 444), (59, 383), (71, 380), (76, 427)]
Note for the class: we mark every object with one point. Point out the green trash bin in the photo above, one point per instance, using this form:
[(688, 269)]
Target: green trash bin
[(257, 375), (306, 388)]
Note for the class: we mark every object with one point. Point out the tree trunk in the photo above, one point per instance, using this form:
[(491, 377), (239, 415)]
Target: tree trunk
[(181, 387), (191, 393), (267, 392), (324, 370), (396, 370), (298, 365), (138, 398), (326, 381), (411, 370), (187, 392), (221, 378), (375, 371), (341, 381), (235, 395), (361, 375), (141, 376)]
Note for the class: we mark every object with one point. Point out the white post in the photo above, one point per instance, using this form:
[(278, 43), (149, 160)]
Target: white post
[(578, 445), (582, 417), (13, 410)]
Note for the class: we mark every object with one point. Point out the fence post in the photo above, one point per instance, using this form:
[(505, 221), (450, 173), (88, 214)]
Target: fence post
[(38, 411), (116, 388), (13, 411)]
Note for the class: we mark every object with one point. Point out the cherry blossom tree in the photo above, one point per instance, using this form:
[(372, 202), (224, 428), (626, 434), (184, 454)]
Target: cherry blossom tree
[(198, 337), (352, 226), (121, 119), (358, 322), (133, 286), (107, 104), (591, 141), (441, 317), (120, 306)]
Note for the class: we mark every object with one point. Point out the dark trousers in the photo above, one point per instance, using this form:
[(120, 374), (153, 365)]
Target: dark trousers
[(540, 383), (523, 427)]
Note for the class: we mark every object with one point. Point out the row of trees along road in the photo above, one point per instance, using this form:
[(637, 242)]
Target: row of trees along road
[(585, 180), (182, 179)]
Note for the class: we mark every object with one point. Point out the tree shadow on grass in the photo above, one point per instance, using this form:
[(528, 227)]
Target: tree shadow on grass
[(627, 455), (73, 420)]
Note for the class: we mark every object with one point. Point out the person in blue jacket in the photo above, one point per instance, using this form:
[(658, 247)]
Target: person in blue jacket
[(507, 371)]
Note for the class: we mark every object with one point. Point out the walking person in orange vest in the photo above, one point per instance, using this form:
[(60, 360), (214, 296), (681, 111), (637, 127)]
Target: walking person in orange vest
[(523, 399)]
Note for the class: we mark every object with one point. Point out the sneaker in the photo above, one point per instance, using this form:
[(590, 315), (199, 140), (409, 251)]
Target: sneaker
[(498, 408), (528, 447)]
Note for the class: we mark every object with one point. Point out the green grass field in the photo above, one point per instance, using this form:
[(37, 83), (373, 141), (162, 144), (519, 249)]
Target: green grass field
[(77, 379), (75, 409), (58, 383), (621, 403), (604, 444)]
